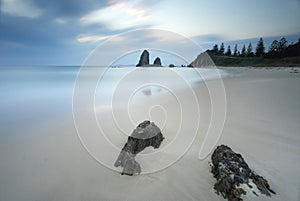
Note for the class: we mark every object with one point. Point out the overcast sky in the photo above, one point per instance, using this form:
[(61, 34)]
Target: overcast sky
[(64, 32)]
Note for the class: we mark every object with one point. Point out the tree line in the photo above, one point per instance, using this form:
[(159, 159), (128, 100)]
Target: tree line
[(277, 49)]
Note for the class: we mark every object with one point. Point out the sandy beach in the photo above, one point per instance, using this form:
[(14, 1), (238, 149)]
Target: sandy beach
[(46, 160)]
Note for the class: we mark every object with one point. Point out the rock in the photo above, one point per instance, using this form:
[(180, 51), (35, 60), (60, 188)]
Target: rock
[(157, 62), (144, 59), (202, 60), (146, 134), (230, 170)]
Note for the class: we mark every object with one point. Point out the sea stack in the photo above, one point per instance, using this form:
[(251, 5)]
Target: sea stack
[(157, 62), (144, 59)]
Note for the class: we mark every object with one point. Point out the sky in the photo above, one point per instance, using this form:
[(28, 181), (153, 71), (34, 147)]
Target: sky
[(65, 32)]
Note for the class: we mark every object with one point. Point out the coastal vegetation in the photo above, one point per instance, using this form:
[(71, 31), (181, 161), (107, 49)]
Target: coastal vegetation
[(279, 53)]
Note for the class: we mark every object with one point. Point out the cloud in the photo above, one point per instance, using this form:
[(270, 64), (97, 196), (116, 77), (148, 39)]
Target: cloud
[(118, 15), (60, 20), (38, 32), (31, 33), (208, 38), (20, 8), (90, 38), (69, 8)]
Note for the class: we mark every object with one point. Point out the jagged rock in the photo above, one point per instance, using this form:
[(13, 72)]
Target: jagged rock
[(230, 170), (157, 62), (144, 59), (146, 134)]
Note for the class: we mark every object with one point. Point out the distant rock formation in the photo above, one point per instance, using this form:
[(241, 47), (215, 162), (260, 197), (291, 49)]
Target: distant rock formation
[(234, 175), (146, 134), (144, 59), (157, 62)]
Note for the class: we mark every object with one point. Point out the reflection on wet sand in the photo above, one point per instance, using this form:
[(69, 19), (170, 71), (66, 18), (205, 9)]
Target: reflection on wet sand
[(147, 92)]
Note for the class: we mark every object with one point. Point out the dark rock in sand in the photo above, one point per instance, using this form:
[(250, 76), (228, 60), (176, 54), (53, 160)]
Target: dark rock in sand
[(157, 62), (230, 170), (146, 134), (144, 59)]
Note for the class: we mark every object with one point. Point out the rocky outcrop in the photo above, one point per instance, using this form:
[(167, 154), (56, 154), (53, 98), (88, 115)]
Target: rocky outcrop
[(146, 134), (144, 59), (232, 172), (202, 60), (157, 62)]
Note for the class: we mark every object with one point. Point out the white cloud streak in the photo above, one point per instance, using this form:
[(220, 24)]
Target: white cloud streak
[(20, 8), (84, 38), (60, 20), (118, 15)]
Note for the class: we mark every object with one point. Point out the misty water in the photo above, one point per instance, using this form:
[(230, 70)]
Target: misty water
[(31, 94)]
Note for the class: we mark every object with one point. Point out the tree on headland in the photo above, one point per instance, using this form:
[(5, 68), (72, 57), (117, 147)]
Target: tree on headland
[(282, 46), (260, 48), (235, 52), (222, 49), (277, 49), (293, 50), (228, 53), (279, 53), (274, 46), (273, 49), (215, 49), (250, 50), (171, 65), (243, 53)]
